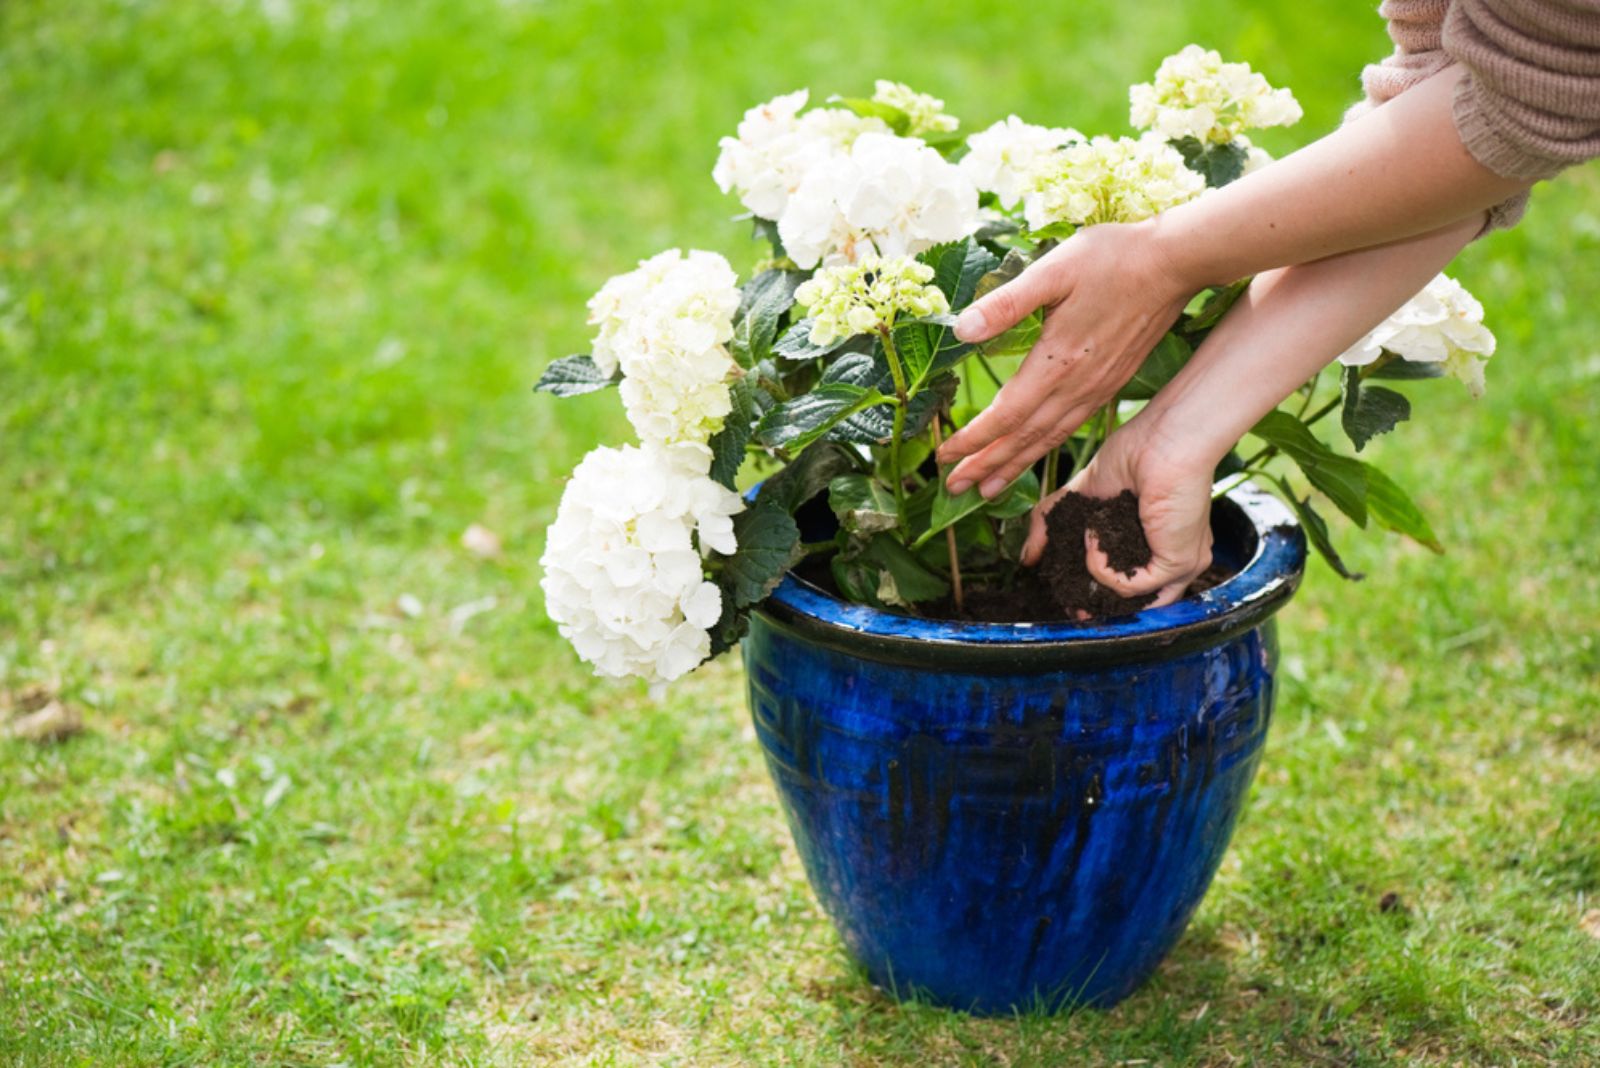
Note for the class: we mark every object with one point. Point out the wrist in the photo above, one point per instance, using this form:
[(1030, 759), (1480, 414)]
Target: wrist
[(1186, 260), (1178, 441)]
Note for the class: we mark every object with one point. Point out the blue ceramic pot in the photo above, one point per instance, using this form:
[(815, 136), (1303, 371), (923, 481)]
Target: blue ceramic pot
[(1022, 816)]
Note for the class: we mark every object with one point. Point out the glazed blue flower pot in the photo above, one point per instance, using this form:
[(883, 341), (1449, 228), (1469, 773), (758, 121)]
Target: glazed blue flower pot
[(1006, 817)]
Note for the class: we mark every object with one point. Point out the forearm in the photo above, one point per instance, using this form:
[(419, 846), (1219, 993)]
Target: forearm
[(1399, 171), (1289, 325)]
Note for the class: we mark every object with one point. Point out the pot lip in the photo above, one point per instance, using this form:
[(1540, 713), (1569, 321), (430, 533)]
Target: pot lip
[(1245, 600)]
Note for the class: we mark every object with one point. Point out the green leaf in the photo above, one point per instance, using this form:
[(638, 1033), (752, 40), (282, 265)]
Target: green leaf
[(1369, 410), (796, 344), (959, 270), (1217, 164), (798, 422), (762, 303), (874, 425), (767, 230), (897, 120), (1343, 479), (948, 509), (1164, 361), (1316, 529), (1216, 305), (883, 573), (1396, 368), (1018, 341), (1056, 231), (1014, 264), (863, 504), (1018, 498), (908, 580), (730, 627), (573, 376), (995, 227), (808, 475), (768, 545), (728, 444), (916, 351), (1393, 508)]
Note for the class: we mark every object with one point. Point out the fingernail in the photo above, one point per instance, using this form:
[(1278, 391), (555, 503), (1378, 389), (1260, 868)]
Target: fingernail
[(958, 487), (970, 324), (992, 487)]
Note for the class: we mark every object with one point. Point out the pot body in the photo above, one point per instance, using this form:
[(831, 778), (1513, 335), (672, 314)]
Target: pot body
[(1004, 817)]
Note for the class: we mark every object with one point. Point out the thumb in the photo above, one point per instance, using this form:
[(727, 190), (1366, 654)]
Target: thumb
[(1010, 304)]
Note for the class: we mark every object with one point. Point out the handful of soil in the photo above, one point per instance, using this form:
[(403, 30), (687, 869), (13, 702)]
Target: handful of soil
[(1064, 568)]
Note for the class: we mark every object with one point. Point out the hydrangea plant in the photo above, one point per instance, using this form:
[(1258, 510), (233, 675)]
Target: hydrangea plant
[(831, 373)]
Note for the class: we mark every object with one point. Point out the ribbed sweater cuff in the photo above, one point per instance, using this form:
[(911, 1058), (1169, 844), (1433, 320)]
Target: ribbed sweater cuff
[(1487, 142)]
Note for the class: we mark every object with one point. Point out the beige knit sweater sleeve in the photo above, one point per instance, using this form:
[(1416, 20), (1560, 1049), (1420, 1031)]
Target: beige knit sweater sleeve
[(1530, 103)]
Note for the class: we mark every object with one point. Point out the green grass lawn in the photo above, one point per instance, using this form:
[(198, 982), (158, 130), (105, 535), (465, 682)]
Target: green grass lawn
[(275, 279)]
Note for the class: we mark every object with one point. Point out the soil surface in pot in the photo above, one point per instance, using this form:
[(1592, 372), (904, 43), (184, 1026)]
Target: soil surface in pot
[(1060, 587)]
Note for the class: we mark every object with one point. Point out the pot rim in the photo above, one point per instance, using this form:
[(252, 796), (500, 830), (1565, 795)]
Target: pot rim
[(1243, 601)]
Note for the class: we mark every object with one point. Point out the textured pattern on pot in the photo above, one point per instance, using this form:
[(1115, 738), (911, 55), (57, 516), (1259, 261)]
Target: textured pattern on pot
[(1022, 816)]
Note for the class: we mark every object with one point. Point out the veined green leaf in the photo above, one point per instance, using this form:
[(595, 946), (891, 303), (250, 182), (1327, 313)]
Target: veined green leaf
[(1368, 411), (1343, 479), (897, 120), (573, 376), (1393, 508), (798, 422), (1217, 164), (1316, 529), (768, 545), (1396, 368), (1018, 341), (728, 444), (796, 344), (1164, 361), (863, 504), (808, 475), (762, 303), (1215, 306), (1014, 264)]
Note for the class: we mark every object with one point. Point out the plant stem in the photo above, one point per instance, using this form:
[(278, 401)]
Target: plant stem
[(950, 533), (899, 375), (1052, 467), (1097, 437), (983, 361)]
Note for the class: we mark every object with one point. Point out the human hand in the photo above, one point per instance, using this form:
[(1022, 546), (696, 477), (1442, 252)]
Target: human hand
[(1109, 295), (1172, 480)]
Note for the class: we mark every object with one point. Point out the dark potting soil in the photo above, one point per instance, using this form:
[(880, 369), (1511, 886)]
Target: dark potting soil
[(1060, 587), (1064, 566)]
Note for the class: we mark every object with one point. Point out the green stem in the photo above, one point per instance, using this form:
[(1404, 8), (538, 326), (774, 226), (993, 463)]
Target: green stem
[(1052, 467), (988, 368), (899, 375)]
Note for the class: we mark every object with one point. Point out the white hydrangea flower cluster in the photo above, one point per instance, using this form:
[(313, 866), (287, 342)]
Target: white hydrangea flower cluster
[(776, 145), (1195, 94), (859, 298), (889, 196), (840, 185), (925, 112), (623, 574), (1001, 159), (1442, 324), (1108, 180), (667, 325)]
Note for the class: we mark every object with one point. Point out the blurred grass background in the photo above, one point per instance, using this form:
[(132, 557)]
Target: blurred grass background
[(275, 279)]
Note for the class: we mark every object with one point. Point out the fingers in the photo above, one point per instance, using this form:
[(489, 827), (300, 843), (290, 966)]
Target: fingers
[(1004, 460), (1059, 369), (1042, 283), (1168, 574), (1005, 413)]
